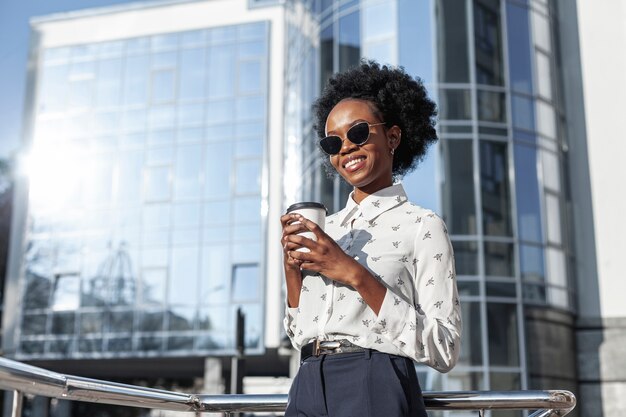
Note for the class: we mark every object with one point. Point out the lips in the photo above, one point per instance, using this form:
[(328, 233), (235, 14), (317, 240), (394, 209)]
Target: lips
[(353, 163)]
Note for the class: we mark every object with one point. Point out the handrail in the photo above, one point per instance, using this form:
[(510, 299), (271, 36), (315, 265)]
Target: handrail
[(22, 378)]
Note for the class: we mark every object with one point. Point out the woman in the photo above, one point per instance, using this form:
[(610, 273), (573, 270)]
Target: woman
[(377, 290)]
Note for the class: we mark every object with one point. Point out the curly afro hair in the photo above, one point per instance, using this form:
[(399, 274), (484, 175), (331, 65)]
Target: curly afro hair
[(399, 100)]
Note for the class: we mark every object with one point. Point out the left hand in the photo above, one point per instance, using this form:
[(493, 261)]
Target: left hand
[(325, 255)]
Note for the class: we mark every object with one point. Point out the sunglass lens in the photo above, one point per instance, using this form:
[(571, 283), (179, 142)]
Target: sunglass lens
[(359, 133), (331, 144)]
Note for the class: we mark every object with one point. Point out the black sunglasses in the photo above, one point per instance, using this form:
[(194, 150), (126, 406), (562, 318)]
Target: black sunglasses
[(357, 134)]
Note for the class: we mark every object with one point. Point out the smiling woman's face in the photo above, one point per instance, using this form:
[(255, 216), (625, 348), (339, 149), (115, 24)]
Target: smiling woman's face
[(366, 167)]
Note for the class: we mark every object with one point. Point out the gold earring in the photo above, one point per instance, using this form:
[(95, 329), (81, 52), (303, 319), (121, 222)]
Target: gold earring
[(392, 151)]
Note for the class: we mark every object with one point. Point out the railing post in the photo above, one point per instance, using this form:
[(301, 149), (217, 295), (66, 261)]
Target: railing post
[(16, 406)]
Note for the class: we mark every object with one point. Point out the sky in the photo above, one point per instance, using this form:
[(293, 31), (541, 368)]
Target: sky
[(14, 46)]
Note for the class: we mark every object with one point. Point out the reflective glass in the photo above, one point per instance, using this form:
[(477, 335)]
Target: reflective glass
[(254, 49), (192, 74), (81, 93), (161, 137), (108, 88), (350, 39), (247, 148), (465, 257), (217, 212), (541, 31), (91, 323), (161, 116), (37, 293), (180, 319), (187, 215), (471, 348), (523, 112), (558, 297), (120, 321), (248, 176), (455, 104), (157, 183), (159, 156), (60, 346), (247, 252), (253, 325), (458, 187), (218, 166), (494, 183), (250, 77), (183, 283), (491, 107), (252, 107), (33, 324), (557, 271), (150, 343), (153, 285), (215, 274), (164, 42), (129, 185), (220, 111), (553, 218), (534, 293), (180, 343), (245, 285), (326, 54), (190, 135), (501, 289), (503, 337), (123, 344), (499, 259), (531, 263), (193, 38), (467, 288), (527, 194), (518, 34), (452, 39), (188, 172), (415, 22), (222, 77), (63, 323), (66, 292), (546, 119), (150, 321), (163, 87), (488, 42), (247, 210), (136, 79), (551, 170), (216, 319), (223, 34), (53, 88), (544, 75)]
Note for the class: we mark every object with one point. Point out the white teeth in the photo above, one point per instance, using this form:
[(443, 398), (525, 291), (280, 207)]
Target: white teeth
[(353, 162)]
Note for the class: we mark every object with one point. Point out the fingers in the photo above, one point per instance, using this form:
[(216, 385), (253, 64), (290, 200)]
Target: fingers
[(312, 227)]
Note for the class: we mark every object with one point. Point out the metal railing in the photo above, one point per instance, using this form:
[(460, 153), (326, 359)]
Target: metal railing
[(26, 379)]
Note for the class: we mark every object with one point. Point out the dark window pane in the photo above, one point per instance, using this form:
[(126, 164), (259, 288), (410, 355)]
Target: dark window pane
[(503, 338), (455, 104), (488, 42), (150, 343), (37, 294), (465, 257), (458, 187), (527, 187), (499, 259), (180, 343), (121, 321), (151, 321), (62, 323), (501, 289), (471, 348), (349, 41), (34, 324), (91, 323), (467, 288), (501, 381), (124, 344), (60, 346), (35, 347), (518, 34), (534, 293), (326, 54), (531, 263), (452, 41), (491, 106), (494, 183), (181, 319)]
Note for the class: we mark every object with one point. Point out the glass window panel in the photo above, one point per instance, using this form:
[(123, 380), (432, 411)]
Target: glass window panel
[(253, 325), (120, 321), (488, 42), (91, 323), (155, 257), (188, 172), (245, 285), (551, 172), (193, 37), (247, 210), (134, 120), (223, 34), (491, 106), (218, 168), (494, 182), (455, 104), (190, 135), (82, 69), (544, 75), (250, 77), (186, 215), (499, 259), (220, 69), (518, 34), (376, 18), (53, 88), (222, 111), (190, 114), (216, 274), (217, 212), (136, 79), (546, 119), (122, 344), (112, 48), (216, 319), (108, 89), (81, 93), (180, 343), (161, 137), (558, 297), (527, 189), (531, 263), (161, 116), (60, 346), (501, 289), (63, 323), (247, 252), (192, 79), (468, 288), (90, 345), (34, 324), (471, 348), (156, 216), (180, 319), (129, 183), (541, 31), (151, 321), (250, 128), (34, 347), (534, 293), (164, 42), (252, 30), (452, 39), (160, 156), (153, 285), (465, 257), (247, 148), (465, 381), (553, 218), (137, 45), (501, 381), (157, 183), (37, 293), (185, 237), (66, 292), (163, 85), (251, 108), (183, 283), (503, 337), (248, 176), (56, 55), (246, 232), (216, 234), (349, 37), (557, 272), (252, 49), (155, 238), (381, 51), (458, 186), (150, 343)]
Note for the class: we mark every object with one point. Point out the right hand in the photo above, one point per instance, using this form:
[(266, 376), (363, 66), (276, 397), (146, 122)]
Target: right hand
[(291, 226)]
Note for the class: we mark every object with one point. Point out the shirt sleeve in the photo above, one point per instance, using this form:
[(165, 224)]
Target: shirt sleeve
[(428, 330), (290, 323)]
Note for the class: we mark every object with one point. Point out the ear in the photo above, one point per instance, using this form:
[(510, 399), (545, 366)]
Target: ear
[(394, 135)]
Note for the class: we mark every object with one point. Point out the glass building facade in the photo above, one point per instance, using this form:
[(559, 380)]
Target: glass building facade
[(144, 231)]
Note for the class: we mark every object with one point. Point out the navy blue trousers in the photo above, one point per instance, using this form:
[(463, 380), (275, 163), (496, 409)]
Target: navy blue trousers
[(359, 384)]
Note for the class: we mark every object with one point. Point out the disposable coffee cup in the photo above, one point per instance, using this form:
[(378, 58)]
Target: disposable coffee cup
[(316, 212)]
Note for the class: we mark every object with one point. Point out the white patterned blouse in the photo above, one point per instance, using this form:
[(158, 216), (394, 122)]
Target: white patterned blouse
[(407, 248)]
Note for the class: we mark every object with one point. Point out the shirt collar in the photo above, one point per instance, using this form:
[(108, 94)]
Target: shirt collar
[(374, 204)]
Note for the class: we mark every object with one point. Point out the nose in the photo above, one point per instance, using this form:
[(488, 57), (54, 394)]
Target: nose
[(346, 145)]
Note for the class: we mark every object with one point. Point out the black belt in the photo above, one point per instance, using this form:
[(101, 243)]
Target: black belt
[(328, 347)]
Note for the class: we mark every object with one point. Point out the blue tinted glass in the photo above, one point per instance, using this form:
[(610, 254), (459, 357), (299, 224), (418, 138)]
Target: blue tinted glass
[(247, 210), (188, 172), (183, 280), (220, 111), (136, 79), (221, 70), (452, 42), (163, 87), (157, 183), (249, 50), (523, 112), (218, 169), (153, 286), (459, 207), (248, 176), (192, 76), (193, 38), (190, 114), (415, 22), (518, 34), (216, 271), (251, 108), (252, 30), (494, 183), (528, 197), (187, 215), (245, 283), (349, 40), (532, 263), (250, 74), (108, 89)]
